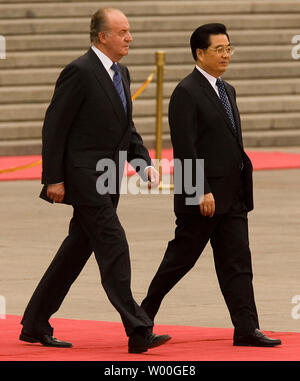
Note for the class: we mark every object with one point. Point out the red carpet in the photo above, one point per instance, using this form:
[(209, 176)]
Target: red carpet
[(261, 161), (106, 341)]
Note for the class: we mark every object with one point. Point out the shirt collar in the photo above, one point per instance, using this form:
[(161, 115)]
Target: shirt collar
[(211, 79), (106, 61)]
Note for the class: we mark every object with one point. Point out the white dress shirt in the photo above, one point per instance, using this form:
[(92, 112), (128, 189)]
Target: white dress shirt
[(106, 61), (211, 79)]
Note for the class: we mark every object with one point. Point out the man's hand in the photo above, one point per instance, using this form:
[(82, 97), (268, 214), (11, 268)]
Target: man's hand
[(153, 177), (207, 205), (56, 192)]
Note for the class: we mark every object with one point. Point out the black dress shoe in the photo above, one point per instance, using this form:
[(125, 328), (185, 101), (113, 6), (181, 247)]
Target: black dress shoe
[(255, 339), (46, 340), (142, 341)]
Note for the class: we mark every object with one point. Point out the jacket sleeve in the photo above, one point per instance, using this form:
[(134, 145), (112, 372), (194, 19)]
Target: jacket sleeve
[(183, 123), (67, 98)]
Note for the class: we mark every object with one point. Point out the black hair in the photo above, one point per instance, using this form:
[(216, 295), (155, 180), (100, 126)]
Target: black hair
[(200, 39)]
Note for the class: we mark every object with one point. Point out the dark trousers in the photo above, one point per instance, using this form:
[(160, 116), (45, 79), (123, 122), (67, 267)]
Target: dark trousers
[(91, 229), (228, 235)]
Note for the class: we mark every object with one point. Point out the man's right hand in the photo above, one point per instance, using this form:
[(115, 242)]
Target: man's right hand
[(207, 205), (56, 192)]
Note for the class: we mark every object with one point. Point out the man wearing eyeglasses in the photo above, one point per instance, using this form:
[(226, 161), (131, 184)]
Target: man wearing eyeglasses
[(205, 124)]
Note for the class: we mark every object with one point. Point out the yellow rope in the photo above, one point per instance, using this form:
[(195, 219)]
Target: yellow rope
[(14, 169), (144, 85), (30, 165)]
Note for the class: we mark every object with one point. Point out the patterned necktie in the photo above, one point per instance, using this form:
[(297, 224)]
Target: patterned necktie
[(225, 101), (119, 85)]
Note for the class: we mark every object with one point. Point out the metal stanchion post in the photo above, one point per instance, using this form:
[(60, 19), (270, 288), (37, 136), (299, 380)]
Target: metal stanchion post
[(160, 62)]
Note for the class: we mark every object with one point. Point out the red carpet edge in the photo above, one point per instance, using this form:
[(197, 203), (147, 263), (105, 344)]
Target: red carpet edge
[(106, 341), (261, 161)]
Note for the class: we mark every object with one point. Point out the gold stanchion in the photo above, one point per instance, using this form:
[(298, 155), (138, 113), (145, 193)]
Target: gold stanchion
[(160, 63)]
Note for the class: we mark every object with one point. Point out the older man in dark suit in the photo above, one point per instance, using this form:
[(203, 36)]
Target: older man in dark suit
[(205, 124), (89, 119)]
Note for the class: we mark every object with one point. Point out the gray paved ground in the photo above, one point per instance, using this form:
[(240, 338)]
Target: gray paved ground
[(31, 231)]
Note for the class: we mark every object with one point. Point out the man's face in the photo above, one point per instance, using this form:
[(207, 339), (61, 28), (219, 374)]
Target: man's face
[(209, 59), (116, 40)]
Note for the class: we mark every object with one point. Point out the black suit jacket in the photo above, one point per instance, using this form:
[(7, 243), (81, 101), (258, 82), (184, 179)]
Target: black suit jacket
[(86, 122), (201, 129)]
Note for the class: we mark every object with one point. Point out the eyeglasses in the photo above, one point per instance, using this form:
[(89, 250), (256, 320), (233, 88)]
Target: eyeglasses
[(221, 50)]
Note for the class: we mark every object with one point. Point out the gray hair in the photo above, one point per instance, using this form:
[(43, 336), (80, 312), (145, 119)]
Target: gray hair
[(99, 23)]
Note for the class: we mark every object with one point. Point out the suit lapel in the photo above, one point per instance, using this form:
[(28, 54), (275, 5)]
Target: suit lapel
[(213, 97), (234, 110), (107, 85), (126, 86)]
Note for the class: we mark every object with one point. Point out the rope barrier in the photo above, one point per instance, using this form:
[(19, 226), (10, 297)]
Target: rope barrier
[(144, 85), (21, 167), (34, 164)]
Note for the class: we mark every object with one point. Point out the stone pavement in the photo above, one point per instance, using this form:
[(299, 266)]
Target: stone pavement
[(32, 230)]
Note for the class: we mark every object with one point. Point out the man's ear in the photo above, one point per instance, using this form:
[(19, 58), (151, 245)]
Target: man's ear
[(199, 53), (102, 37)]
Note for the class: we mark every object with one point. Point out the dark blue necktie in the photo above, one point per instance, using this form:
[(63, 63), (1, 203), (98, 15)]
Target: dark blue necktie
[(225, 101), (119, 85)]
